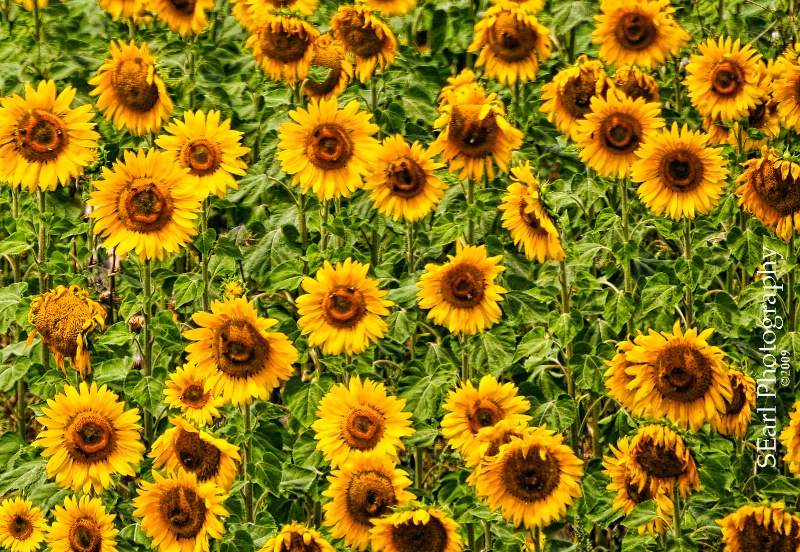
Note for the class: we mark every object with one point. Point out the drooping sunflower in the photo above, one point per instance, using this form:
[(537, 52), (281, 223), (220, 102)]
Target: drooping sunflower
[(786, 92), (233, 346), (723, 79), (463, 86), (44, 141), (567, 98), (329, 55), (461, 294), (760, 529), (659, 457), (122, 8), (735, 419), (284, 46), (88, 436), (391, 7), (179, 513), (146, 204), (197, 397), (21, 525), (64, 317), (82, 526), (680, 175), (186, 17), (532, 479), (790, 438), (342, 309), (511, 43), (636, 84), (296, 537), (526, 218), (617, 375), (367, 37), (403, 183), (487, 444), (366, 487), (770, 189), (327, 149), (208, 148), (360, 417), (416, 529)]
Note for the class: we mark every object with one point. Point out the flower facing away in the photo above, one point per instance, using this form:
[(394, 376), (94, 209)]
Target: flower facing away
[(416, 529), (296, 537), (367, 37), (187, 17), (329, 55), (197, 397), (760, 528), (22, 525), (659, 457), (284, 46), (735, 419), (82, 526)]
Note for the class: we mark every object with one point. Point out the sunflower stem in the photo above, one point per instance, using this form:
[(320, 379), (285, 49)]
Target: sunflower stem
[(597, 442), (192, 40), (676, 512), (248, 451), (487, 536), (410, 247), (148, 345), (131, 28), (565, 308), (470, 203), (204, 256), (419, 454), (374, 249), (465, 367), (323, 241), (687, 254), (626, 236), (471, 536), (40, 194), (37, 27), (535, 536)]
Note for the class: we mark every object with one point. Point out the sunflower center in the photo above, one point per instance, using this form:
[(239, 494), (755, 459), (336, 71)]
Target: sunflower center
[(330, 146), (754, 537), (195, 395), (202, 156), (495, 444), (285, 45), (511, 39), (755, 116), (183, 511), (20, 528), (90, 438), (344, 307), (185, 7), (635, 31), (684, 373), (297, 544), (283, 3), (359, 36), (578, 92), (133, 83), (405, 178), (782, 194), (635, 90), (329, 59), (621, 132), (85, 536), (727, 78), (240, 349), (197, 456), (738, 400), (484, 413), (681, 170), (633, 492), (363, 428), (420, 537), (370, 495), (145, 205), (463, 286), (40, 136), (474, 137), (529, 477), (60, 321), (658, 461), (530, 218)]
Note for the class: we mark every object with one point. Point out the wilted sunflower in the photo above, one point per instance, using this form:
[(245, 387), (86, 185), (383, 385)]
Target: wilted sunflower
[(328, 149), (44, 141), (130, 91), (208, 148), (122, 8), (790, 438), (770, 189), (296, 537), (511, 42), (463, 86), (233, 346), (21, 525), (618, 377), (735, 419), (341, 308), (402, 183), (567, 98), (723, 79), (532, 479), (329, 55), (366, 487), (360, 417), (658, 456), (179, 513), (680, 174), (187, 17), (760, 529), (82, 526), (786, 92), (88, 436), (145, 204), (613, 130), (197, 397), (64, 317), (526, 218), (636, 84), (364, 35), (284, 46), (391, 7), (416, 529)]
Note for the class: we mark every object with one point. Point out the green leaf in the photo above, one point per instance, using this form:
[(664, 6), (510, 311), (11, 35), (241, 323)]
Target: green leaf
[(148, 394), (642, 514), (10, 445), (240, 541), (747, 247), (689, 273), (14, 371), (658, 293), (491, 351), (536, 344), (558, 414), (424, 394), (286, 276), (205, 241), (567, 326), (302, 398), (402, 325), (267, 472), (721, 313), (10, 298), (589, 376), (618, 310), (297, 479), (15, 244), (188, 287), (23, 477)]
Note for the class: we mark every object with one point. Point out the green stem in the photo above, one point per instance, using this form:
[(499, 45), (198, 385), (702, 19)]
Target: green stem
[(43, 259), (302, 222), (131, 28), (410, 247), (487, 535), (22, 422), (15, 269), (205, 256), (471, 533), (323, 242), (419, 454), (470, 202), (676, 513), (375, 244), (597, 442), (148, 342), (465, 367), (248, 451), (535, 535), (37, 26), (192, 42), (567, 353), (687, 254), (626, 236)]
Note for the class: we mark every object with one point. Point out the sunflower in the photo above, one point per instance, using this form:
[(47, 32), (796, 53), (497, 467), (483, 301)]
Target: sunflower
[(679, 173), (511, 42), (764, 118), (567, 98), (790, 438), (360, 417), (366, 487), (636, 84), (284, 46), (717, 132), (197, 397), (462, 87), (329, 55), (88, 435), (21, 525), (130, 91), (44, 141), (487, 444), (760, 529), (616, 127), (209, 150), (469, 410), (82, 526), (786, 93), (232, 289), (617, 375), (416, 529), (341, 309), (296, 537), (735, 419), (532, 479), (186, 17), (723, 79), (146, 204), (770, 189), (179, 513), (402, 183), (28, 4), (250, 12), (64, 317), (364, 35), (659, 457), (530, 6), (122, 8), (328, 149), (526, 218), (391, 7), (233, 346)]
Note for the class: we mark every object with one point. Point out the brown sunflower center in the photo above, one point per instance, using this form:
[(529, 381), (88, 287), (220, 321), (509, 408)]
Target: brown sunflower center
[(202, 156), (530, 218), (344, 307), (20, 527), (185, 7), (359, 35), (285, 45), (621, 132), (474, 137), (727, 78), (578, 92), (40, 136), (756, 115), (89, 438), (738, 400), (484, 413), (370, 495), (196, 455), (145, 205), (681, 170), (240, 349), (529, 477), (463, 286), (635, 31), (195, 395), (684, 373), (283, 3), (297, 544), (182, 511), (133, 83), (85, 536), (754, 537), (511, 40), (782, 194), (405, 178), (363, 428), (420, 537), (503, 439), (60, 321), (657, 460), (633, 492), (330, 146), (328, 58)]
